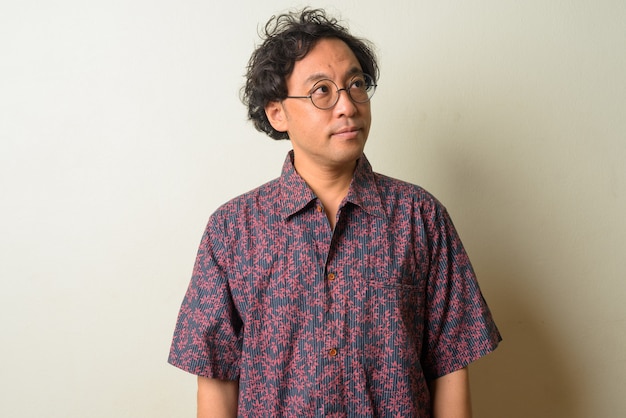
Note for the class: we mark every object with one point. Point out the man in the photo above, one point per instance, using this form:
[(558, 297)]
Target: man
[(332, 290)]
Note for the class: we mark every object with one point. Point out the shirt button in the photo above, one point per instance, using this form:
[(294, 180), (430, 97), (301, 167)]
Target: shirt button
[(332, 352), (331, 276), (319, 208)]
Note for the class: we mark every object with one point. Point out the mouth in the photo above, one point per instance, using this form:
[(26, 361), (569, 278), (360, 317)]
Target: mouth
[(347, 132)]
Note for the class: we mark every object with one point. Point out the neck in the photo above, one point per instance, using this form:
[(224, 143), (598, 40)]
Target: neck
[(329, 183)]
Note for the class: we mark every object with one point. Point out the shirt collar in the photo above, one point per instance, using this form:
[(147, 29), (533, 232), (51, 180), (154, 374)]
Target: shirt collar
[(295, 193), (363, 191)]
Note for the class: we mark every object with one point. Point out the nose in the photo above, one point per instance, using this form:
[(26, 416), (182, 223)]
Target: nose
[(345, 105)]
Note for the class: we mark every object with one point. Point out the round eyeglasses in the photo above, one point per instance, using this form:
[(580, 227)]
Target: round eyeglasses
[(325, 93)]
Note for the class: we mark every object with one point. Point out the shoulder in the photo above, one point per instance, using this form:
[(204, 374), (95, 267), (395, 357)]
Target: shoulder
[(257, 203), (395, 192), (411, 207)]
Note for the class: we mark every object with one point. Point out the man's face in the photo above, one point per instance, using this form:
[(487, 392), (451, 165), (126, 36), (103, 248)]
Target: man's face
[(332, 138)]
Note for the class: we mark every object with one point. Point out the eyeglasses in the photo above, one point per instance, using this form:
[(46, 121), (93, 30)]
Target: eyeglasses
[(325, 93)]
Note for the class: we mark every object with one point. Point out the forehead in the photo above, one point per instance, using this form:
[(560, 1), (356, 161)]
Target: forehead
[(328, 58)]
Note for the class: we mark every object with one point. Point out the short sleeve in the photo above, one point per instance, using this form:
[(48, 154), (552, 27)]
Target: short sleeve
[(207, 337), (459, 324)]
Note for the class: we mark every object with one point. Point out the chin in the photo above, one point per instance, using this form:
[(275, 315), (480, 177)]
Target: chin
[(349, 155)]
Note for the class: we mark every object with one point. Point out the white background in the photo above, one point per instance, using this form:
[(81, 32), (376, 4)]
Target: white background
[(121, 130)]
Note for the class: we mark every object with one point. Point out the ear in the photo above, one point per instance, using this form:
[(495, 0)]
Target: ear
[(276, 115)]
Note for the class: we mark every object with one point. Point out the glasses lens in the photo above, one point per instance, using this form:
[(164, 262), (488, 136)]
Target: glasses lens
[(324, 94), (361, 88)]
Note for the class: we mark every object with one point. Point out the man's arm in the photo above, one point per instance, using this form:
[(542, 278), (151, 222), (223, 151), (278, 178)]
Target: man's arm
[(451, 395), (217, 398)]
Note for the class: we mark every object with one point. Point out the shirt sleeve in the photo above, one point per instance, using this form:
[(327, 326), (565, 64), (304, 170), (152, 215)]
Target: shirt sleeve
[(207, 337), (459, 324)]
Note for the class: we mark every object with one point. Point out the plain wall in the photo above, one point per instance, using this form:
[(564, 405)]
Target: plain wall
[(121, 130)]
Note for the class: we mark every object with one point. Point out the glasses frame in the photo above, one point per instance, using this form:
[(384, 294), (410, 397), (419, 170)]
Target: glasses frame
[(373, 86)]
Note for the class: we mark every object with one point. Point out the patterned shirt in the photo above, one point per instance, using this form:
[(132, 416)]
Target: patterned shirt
[(314, 322)]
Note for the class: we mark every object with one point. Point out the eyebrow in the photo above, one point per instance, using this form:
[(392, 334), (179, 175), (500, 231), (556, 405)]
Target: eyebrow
[(315, 77)]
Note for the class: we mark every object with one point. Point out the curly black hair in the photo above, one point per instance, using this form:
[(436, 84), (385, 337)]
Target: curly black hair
[(288, 38)]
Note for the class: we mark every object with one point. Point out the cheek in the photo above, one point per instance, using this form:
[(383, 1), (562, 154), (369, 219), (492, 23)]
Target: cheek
[(367, 117), (315, 125)]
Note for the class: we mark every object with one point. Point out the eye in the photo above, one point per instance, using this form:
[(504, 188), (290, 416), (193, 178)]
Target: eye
[(359, 83), (322, 88)]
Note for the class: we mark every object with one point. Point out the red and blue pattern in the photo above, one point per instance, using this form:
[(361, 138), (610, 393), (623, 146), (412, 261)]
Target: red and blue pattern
[(347, 323)]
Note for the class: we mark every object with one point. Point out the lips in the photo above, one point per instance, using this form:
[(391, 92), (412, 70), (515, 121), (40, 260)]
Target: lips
[(347, 131)]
